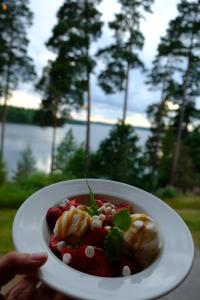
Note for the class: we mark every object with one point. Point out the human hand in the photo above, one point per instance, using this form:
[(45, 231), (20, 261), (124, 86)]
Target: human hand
[(26, 289)]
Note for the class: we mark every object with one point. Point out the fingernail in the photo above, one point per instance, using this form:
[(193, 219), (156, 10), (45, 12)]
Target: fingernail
[(38, 256)]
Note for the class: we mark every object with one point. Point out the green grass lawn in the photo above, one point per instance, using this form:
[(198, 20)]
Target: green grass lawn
[(188, 208), (192, 219), (6, 220)]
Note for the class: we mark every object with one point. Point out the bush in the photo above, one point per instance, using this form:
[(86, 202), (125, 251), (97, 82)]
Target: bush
[(76, 165), (167, 192), (2, 171), (13, 195), (57, 177), (119, 156), (65, 151), (37, 180), (26, 164)]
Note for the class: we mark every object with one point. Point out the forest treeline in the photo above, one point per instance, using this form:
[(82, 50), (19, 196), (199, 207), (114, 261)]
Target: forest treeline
[(171, 154), (20, 115), (28, 116)]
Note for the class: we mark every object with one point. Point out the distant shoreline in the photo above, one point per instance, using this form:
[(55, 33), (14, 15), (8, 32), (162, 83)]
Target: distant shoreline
[(27, 116), (76, 122), (102, 123)]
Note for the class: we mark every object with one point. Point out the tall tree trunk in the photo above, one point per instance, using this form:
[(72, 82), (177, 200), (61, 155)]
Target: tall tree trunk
[(126, 94), (53, 142), (87, 144), (158, 129), (87, 166), (180, 128), (182, 113), (126, 87), (4, 113), (6, 94)]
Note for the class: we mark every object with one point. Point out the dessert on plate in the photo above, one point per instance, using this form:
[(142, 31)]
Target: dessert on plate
[(102, 238)]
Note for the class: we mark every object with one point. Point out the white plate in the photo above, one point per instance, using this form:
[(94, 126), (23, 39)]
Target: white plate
[(30, 234)]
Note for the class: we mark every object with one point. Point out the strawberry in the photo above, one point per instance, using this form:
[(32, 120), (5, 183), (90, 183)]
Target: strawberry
[(95, 237), (70, 203), (99, 203), (108, 220), (74, 252), (97, 265), (52, 216), (123, 206), (131, 262), (53, 245)]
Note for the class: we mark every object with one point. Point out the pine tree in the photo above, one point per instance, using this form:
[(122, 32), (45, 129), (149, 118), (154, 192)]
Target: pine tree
[(60, 92), (159, 78), (3, 172), (77, 28), (181, 44), (193, 142), (122, 55), (64, 151), (26, 165), (15, 18), (119, 156), (157, 115)]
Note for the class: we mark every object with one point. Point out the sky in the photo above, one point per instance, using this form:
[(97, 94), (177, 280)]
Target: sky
[(104, 108)]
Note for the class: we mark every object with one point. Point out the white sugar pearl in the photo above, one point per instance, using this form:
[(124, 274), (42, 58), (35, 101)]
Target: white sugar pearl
[(60, 245), (67, 258), (107, 227), (138, 224), (95, 218), (102, 217), (108, 210), (96, 224), (107, 204), (126, 271), (113, 211), (101, 209), (89, 251), (72, 207)]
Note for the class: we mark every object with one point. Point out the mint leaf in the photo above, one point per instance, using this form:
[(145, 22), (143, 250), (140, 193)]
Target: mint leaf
[(122, 219), (92, 206), (113, 244)]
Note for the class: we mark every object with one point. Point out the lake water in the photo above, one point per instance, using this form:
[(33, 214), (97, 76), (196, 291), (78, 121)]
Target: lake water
[(39, 139)]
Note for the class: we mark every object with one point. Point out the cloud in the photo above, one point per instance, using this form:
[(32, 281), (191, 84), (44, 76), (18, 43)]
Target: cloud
[(108, 115), (104, 107), (24, 99), (44, 20), (154, 26), (137, 119)]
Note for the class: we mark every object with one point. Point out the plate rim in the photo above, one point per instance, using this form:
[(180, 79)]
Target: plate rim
[(104, 181)]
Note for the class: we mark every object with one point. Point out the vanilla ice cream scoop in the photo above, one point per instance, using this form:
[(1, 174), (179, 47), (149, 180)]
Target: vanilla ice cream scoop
[(142, 238), (72, 222)]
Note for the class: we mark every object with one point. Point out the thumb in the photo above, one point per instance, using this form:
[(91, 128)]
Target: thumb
[(23, 290), (19, 263)]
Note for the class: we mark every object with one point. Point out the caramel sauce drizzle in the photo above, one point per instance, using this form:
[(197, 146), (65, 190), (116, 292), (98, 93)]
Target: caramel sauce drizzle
[(141, 230), (65, 223)]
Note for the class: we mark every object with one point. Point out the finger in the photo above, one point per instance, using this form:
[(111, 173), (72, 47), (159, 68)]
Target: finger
[(23, 290), (19, 263)]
